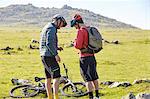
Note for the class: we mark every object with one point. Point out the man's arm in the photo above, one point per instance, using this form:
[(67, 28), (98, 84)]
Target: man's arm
[(78, 44), (50, 41)]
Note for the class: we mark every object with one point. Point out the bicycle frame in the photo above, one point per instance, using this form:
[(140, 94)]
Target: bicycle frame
[(68, 80), (65, 78)]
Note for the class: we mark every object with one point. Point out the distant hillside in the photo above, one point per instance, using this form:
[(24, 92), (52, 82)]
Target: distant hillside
[(31, 15)]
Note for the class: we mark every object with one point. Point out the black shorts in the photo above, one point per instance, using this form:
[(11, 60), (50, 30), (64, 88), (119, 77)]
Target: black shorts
[(88, 68), (52, 69)]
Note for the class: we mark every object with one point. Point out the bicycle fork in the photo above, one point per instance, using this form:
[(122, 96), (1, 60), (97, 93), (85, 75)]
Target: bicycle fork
[(74, 88)]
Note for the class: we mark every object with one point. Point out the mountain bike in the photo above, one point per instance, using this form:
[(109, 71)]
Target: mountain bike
[(69, 88)]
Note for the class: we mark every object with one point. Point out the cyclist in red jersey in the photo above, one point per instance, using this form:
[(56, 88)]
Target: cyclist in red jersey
[(87, 60)]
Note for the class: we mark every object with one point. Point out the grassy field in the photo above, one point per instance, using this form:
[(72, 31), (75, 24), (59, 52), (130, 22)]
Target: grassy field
[(126, 61)]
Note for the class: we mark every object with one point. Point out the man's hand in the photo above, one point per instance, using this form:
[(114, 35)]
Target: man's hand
[(60, 48), (57, 58)]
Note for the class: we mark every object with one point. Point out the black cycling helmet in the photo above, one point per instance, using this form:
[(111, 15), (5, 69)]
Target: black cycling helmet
[(76, 19), (57, 17)]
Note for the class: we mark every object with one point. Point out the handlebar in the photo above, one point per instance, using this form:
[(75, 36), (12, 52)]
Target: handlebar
[(37, 79)]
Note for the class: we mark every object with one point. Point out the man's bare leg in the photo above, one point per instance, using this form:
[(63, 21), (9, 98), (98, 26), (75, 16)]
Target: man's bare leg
[(56, 88), (89, 86), (48, 88), (96, 86)]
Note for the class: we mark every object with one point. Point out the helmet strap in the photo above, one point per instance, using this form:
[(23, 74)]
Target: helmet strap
[(78, 25)]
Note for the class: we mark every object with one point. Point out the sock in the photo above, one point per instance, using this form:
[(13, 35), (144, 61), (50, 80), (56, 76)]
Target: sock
[(56, 96), (50, 96), (90, 95), (97, 93)]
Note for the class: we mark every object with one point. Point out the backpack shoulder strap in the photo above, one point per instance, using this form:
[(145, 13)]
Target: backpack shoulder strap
[(86, 29)]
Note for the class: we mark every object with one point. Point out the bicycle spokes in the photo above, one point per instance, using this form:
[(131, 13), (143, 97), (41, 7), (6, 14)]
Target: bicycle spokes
[(24, 91), (74, 90)]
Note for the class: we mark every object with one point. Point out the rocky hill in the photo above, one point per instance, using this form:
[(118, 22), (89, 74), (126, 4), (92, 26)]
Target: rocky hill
[(39, 16)]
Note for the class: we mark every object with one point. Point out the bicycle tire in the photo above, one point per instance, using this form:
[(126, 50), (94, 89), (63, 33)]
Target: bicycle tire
[(24, 91), (80, 91)]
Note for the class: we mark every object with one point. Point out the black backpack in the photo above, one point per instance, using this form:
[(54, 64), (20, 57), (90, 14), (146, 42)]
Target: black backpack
[(94, 41)]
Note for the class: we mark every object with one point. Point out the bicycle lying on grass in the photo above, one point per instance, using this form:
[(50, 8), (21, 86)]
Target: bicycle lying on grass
[(70, 88)]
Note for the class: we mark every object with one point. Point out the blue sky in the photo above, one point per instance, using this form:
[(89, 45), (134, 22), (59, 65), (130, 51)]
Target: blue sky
[(135, 12)]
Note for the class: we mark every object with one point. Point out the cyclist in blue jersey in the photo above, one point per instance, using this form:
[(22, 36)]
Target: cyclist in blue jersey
[(49, 55)]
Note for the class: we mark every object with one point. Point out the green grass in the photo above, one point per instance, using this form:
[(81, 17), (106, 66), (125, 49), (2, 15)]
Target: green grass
[(126, 61)]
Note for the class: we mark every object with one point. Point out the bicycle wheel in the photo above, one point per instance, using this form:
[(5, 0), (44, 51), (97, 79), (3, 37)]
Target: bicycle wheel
[(24, 91), (80, 90)]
